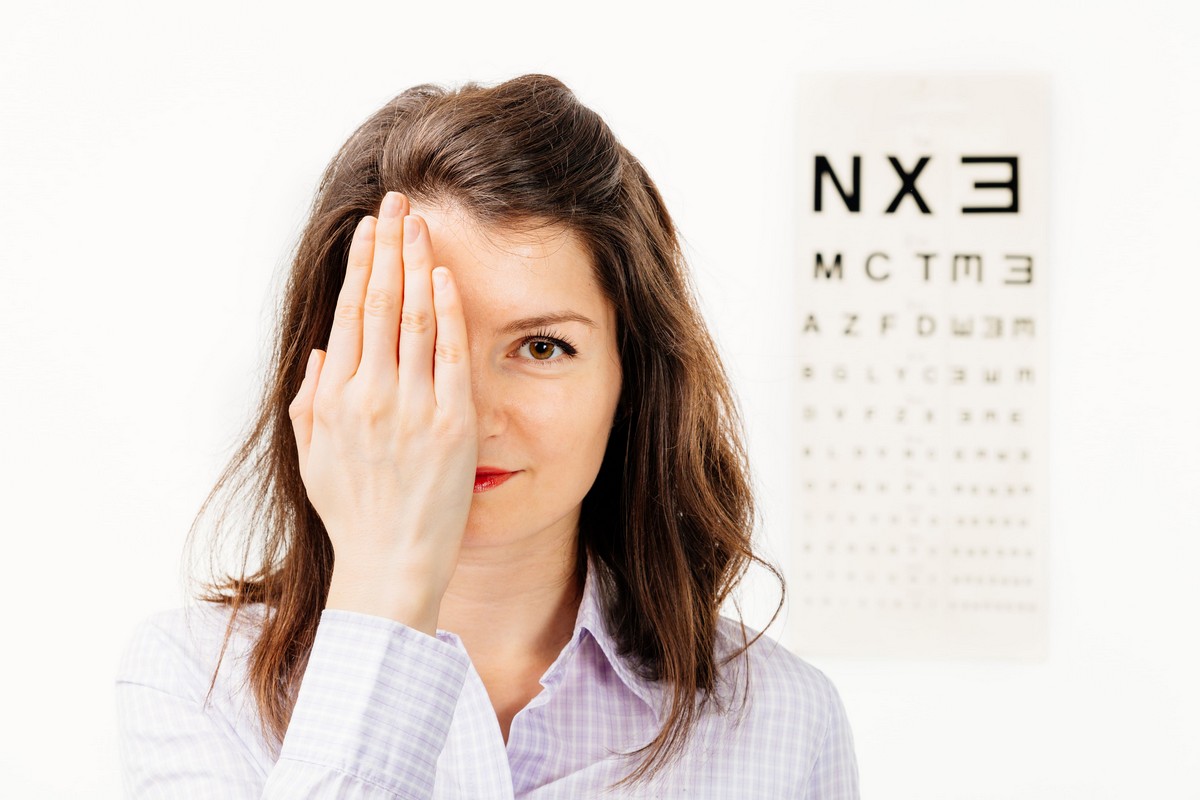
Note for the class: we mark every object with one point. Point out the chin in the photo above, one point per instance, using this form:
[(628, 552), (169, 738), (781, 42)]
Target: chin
[(505, 524), (487, 527)]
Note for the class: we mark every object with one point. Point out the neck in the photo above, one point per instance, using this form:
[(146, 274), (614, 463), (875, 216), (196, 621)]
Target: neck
[(514, 603)]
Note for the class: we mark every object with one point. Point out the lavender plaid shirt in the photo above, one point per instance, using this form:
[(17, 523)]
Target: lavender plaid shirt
[(385, 711)]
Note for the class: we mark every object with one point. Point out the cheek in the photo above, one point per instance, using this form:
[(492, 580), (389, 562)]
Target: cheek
[(565, 424)]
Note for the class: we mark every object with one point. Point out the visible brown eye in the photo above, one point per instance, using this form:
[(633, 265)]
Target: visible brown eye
[(542, 346), (543, 350)]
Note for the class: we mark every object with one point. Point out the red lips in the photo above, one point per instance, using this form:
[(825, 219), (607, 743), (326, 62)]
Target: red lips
[(479, 473), (490, 477)]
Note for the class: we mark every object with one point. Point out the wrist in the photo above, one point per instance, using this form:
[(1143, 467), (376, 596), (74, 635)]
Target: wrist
[(394, 600)]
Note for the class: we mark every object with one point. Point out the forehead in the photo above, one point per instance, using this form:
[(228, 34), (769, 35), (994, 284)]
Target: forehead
[(504, 274)]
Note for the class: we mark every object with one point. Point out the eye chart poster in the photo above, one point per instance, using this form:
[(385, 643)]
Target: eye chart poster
[(921, 373)]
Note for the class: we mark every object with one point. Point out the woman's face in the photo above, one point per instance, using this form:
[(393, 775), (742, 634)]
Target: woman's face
[(543, 412)]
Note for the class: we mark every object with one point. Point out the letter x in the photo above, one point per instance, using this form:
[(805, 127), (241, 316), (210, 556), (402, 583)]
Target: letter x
[(910, 184)]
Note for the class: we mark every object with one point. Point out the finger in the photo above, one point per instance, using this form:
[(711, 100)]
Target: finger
[(451, 367), (301, 408), (385, 293), (417, 325), (345, 338)]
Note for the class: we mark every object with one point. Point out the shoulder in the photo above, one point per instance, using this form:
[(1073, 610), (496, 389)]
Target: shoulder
[(181, 683), (782, 687), (178, 650), (773, 720)]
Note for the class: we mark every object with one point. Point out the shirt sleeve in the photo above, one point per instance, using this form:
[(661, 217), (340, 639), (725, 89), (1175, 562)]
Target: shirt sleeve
[(371, 717), (834, 775)]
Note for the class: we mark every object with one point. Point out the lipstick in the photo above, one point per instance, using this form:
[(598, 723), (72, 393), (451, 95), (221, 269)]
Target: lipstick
[(490, 477)]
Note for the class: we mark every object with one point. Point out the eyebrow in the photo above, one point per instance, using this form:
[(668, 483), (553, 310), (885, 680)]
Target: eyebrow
[(518, 325)]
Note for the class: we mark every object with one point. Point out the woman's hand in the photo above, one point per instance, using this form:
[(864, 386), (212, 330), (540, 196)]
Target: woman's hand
[(385, 425)]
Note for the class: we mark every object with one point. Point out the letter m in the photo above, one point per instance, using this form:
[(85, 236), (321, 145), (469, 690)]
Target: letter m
[(834, 270)]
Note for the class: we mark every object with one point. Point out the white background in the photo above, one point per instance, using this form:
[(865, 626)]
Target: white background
[(155, 164)]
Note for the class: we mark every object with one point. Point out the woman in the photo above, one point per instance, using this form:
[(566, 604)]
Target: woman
[(500, 496)]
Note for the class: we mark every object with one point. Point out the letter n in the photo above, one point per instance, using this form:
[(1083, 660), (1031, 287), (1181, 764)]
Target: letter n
[(852, 200)]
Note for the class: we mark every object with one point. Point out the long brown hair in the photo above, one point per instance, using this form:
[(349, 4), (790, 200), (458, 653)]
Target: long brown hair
[(674, 484)]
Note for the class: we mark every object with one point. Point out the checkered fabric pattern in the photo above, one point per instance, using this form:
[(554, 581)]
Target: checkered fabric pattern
[(385, 711)]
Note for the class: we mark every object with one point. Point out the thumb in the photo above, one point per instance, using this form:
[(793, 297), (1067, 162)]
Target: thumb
[(301, 408)]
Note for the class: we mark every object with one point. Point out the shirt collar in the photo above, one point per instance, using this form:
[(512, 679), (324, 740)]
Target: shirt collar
[(590, 619)]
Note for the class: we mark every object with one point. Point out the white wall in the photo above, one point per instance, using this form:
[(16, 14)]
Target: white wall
[(155, 165)]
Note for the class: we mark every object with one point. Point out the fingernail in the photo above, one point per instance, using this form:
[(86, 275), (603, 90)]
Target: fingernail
[(439, 277), (391, 205), (411, 229)]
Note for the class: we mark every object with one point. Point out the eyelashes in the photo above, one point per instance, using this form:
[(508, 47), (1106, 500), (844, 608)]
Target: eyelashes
[(553, 338)]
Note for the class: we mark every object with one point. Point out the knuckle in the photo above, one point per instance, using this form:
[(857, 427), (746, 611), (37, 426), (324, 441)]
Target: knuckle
[(448, 352), (379, 301), (415, 322), (374, 408), (371, 406), (325, 403), (452, 425), (347, 315)]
